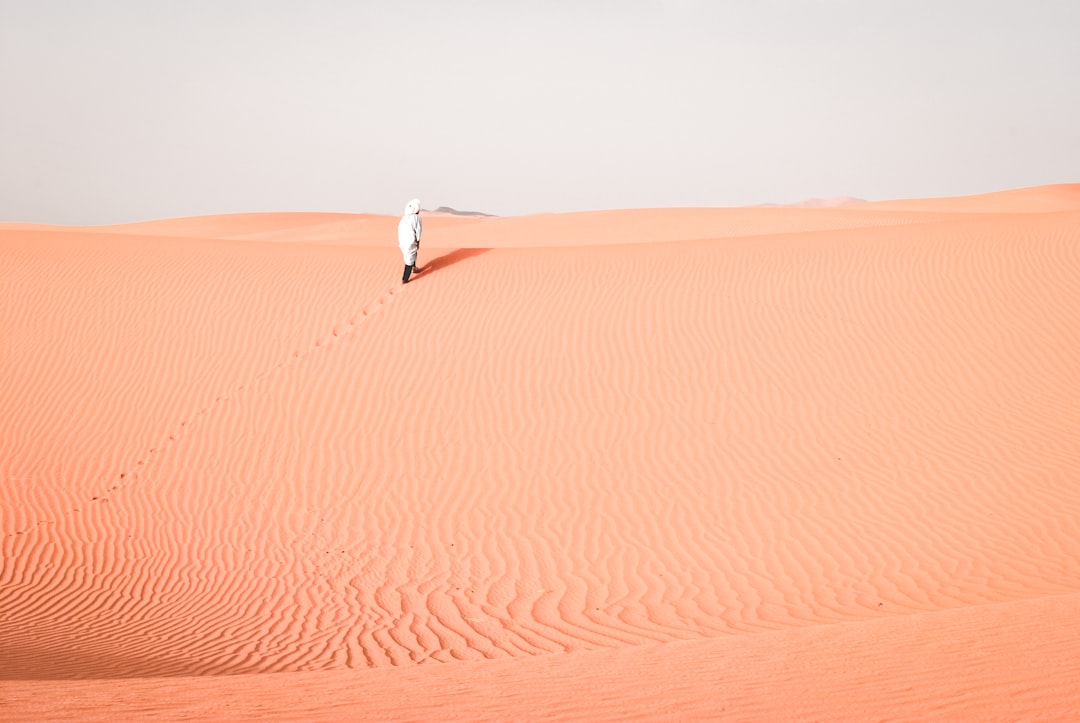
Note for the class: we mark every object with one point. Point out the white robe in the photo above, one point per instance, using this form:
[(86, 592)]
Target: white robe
[(408, 232)]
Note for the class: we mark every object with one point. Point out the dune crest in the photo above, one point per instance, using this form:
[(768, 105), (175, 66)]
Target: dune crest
[(575, 452)]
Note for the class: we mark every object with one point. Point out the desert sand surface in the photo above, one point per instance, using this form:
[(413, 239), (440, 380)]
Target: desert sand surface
[(657, 464)]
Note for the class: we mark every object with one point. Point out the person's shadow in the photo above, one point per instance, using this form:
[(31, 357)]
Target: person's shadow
[(449, 259)]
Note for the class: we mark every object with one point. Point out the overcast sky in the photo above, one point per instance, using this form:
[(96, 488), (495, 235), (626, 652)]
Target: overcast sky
[(124, 110)]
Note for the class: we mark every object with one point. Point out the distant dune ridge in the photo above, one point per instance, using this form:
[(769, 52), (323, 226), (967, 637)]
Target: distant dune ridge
[(446, 210), (818, 202), (749, 463)]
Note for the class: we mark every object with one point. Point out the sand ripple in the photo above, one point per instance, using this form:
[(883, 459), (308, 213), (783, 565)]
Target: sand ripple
[(226, 456)]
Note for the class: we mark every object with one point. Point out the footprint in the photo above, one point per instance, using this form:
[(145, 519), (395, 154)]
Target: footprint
[(338, 330)]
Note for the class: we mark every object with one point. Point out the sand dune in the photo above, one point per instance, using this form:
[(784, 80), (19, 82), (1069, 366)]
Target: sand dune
[(766, 462), (1038, 199), (1010, 661)]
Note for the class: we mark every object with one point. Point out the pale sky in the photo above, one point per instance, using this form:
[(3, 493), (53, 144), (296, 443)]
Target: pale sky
[(125, 110)]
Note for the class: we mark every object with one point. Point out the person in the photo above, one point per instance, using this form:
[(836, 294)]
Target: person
[(408, 232)]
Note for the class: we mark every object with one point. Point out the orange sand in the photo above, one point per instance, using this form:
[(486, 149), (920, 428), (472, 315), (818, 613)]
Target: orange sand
[(756, 463)]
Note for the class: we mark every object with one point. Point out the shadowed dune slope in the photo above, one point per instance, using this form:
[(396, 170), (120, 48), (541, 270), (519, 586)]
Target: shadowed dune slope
[(1011, 661), (792, 450)]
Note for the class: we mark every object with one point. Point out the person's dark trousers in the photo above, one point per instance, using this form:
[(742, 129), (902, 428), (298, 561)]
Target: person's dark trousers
[(408, 272)]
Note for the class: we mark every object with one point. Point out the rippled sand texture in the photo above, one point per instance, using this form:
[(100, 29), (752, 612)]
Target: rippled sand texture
[(758, 463)]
